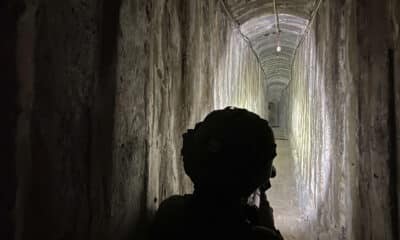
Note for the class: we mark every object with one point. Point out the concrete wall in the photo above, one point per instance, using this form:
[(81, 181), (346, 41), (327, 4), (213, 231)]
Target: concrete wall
[(394, 19), (340, 120), (9, 13), (395, 15), (377, 129), (198, 63), (107, 89)]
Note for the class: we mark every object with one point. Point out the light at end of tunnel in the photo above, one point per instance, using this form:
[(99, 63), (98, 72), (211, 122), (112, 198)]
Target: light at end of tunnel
[(278, 48)]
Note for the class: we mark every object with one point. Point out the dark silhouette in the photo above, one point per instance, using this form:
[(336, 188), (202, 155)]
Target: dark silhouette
[(228, 157)]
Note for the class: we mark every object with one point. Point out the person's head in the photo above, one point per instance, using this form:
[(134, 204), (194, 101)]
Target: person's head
[(230, 152)]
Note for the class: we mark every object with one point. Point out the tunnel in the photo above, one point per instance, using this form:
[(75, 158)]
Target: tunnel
[(97, 95)]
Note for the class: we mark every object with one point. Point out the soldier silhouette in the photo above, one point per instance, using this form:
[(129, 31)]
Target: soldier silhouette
[(228, 157)]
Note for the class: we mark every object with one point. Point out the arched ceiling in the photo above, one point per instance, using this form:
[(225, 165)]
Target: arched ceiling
[(257, 22)]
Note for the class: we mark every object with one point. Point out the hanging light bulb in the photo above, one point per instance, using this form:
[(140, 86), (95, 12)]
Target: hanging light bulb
[(278, 42), (278, 30)]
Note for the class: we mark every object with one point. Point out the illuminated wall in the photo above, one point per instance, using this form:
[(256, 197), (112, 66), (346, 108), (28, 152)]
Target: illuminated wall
[(338, 120)]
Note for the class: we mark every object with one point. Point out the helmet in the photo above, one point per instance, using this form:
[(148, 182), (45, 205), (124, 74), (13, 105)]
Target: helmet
[(231, 150)]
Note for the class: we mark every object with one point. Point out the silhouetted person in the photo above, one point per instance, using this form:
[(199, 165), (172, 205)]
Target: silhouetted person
[(227, 156)]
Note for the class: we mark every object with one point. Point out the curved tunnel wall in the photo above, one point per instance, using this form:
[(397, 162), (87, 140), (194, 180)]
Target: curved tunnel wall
[(257, 19)]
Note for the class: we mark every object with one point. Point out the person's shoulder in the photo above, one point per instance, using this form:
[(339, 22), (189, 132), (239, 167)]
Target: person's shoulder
[(169, 217), (260, 232), (173, 204), (175, 200), (171, 208)]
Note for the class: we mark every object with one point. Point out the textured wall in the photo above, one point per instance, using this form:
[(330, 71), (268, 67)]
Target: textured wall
[(9, 13), (378, 33), (112, 86), (339, 125), (198, 62), (395, 16), (64, 138)]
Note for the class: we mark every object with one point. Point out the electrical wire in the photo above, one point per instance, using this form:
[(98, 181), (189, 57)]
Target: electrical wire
[(244, 37), (278, 29)]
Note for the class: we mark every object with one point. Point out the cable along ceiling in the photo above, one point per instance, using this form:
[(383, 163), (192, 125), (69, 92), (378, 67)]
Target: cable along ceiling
[(257, 20)]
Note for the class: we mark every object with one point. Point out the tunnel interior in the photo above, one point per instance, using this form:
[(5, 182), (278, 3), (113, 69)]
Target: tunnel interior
[(274, 31), (102, 92)]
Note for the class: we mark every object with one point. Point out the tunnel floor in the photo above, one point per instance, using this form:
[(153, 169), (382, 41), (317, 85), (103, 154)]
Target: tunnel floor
[(289, 218)]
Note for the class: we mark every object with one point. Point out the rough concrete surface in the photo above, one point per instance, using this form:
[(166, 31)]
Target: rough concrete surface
[(115, 85), (338, 121), (198, 62)]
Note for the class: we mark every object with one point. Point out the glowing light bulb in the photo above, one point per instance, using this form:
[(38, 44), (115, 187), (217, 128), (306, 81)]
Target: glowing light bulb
[(278, 49)]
